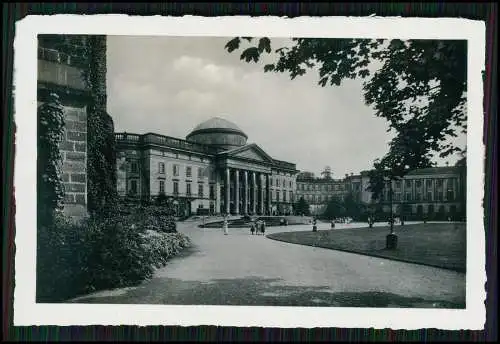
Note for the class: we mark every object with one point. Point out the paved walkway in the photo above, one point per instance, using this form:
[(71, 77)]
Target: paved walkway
[(244, 269)]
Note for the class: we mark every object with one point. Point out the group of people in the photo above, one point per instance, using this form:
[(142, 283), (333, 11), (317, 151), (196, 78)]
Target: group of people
[(258, 227)]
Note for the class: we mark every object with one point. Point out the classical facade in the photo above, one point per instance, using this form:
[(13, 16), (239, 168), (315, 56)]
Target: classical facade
[(432, 193), (212, 171)]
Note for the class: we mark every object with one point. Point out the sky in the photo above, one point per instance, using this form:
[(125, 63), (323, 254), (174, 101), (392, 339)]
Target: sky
[(168, 85)]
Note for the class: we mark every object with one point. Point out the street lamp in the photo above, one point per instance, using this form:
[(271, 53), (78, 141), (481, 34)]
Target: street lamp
[(392, 238)]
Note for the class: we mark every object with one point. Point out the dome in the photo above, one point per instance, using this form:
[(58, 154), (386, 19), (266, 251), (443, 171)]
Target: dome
[(218, 132)]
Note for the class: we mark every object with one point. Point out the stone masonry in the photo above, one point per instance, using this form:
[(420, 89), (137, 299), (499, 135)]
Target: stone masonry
[(61, 61)]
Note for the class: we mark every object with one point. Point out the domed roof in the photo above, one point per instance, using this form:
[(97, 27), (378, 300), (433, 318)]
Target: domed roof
[(217, 124), (218, 131)]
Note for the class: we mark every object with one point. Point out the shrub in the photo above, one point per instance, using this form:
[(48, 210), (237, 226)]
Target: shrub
[(101, 253)]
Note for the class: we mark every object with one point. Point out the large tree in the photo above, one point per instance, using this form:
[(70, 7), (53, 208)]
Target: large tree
[(419, 87), (302, 207)]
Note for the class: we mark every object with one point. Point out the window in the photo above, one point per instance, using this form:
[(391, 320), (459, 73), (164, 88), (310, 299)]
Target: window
[(212, 192), (277, 182), (188, 171), (176, 188), (429, 196), (134, 167), (133, 187), (428, 183), (200, 172), (277, 196), (290, 184), (440, 195), (161, 167), (271, 181), (398, 184), (418, 196), (188, 189), (176, 170), (408, 196), (418, 183), (200, 190), (439, 183), (397, 196), (450, 195), (291, 196), (407, 183), (162, 186), (284, 196)]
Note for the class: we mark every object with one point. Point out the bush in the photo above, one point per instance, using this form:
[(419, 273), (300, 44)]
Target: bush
[(97, 253)]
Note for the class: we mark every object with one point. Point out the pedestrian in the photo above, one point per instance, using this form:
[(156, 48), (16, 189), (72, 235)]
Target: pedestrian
[(333, 224), (225, 225), (263, 227), (252, 228), (314, 225)]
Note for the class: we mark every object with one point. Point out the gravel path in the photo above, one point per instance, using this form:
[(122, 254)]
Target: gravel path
[(244, 269)]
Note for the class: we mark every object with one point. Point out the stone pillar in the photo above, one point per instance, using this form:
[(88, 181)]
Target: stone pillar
[(228, 191), (217, 193), (262, 193), (245, 189), (254, 194), (269, 203), (237, 192)]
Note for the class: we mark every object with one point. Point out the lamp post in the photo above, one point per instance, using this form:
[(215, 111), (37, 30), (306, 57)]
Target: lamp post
[(392, 238)]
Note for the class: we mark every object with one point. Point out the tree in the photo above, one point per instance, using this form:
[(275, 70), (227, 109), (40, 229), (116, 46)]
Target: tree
[(302, 207), (334, 209), (420, 88)]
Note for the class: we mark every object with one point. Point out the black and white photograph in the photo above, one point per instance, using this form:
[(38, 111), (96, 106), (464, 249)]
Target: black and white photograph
[(306, 177)]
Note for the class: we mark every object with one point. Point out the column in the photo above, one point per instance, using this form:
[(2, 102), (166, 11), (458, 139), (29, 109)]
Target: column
[(237, 192), (228, 191), (262, 193), (245, 191), (254, 194), (269, 194), (217, 194)]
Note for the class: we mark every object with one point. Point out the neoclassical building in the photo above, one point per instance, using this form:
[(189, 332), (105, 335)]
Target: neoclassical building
[(433, 193), (213, 171)]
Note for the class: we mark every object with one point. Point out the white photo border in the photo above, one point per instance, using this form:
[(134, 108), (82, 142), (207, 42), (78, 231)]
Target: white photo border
[(29, 313)]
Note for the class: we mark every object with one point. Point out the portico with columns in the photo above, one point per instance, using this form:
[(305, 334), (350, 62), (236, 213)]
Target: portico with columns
[(245, 177)]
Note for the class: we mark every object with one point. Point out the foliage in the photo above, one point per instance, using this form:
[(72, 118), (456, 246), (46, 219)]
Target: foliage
[(334, 209), (302, 207), (101, 155), (419, 88), (100, 253), (49, 160)]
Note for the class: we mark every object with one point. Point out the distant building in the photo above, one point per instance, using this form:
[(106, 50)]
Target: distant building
[(432, 193), (212, 171)]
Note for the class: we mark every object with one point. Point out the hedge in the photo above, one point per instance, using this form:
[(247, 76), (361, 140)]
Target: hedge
[(101, 253)]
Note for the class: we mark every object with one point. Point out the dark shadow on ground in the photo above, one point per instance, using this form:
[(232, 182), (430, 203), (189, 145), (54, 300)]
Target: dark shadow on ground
[(256, 291)]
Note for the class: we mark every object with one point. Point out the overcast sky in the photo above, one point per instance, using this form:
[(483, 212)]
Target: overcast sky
[(168, 85)]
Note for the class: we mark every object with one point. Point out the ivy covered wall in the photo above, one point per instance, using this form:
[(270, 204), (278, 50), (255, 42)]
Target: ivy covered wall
[(72, 68)]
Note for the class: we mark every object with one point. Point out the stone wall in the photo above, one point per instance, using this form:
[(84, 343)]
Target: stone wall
[(61, 61), (74, 153)]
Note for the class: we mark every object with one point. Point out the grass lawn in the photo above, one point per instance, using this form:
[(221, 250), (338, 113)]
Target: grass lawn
[(436, 244)]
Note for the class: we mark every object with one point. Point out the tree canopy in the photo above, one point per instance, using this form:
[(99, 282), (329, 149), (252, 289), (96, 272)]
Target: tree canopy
[(419, 88), (302, 207)]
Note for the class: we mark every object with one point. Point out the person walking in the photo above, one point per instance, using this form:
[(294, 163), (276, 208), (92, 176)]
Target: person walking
[(252, 227), (315, 228), (225, 225)]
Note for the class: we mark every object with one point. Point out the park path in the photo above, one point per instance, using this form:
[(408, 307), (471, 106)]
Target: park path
[(244, 269)]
